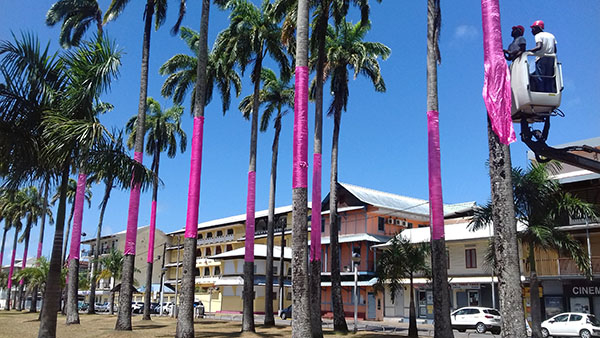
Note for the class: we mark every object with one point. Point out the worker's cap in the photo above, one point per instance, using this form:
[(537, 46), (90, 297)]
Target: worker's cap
[(538, 23), (519, 27)]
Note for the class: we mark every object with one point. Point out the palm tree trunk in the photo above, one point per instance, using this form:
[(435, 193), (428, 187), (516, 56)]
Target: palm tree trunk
[(11, 270), (112, 303), (150, 259), (64, 252), (124, 314), (301, 323), (339, 320), (534, 296), (505, 234), (315, 224), (33, 306), (6, 227), (95, 262), (21, 304), (281, 271), (269, 318), (73, 284), (185, 319), (52, 292), (412, 313), (441, 299), (248, 293)]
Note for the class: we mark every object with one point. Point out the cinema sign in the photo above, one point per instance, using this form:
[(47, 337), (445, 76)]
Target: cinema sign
[(582, 289)]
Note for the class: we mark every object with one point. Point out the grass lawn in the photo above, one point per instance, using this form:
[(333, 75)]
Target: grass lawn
[(25, 325)]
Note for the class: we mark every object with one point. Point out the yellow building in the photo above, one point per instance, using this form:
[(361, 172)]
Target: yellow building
[(219, 243)]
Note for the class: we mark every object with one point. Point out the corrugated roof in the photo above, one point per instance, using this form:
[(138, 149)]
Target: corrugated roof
[(356, 238), (400, 203), (260, 250)]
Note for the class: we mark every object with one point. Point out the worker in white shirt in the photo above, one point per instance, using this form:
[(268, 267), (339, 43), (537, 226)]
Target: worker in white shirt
[(545, 43)]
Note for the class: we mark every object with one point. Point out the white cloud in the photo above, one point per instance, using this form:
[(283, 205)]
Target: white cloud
[(466, 32)]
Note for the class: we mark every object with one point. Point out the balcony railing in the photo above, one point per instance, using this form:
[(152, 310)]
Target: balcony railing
[(583, 221), (559, 266), (214, 240)]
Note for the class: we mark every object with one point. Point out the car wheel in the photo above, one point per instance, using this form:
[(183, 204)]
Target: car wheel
[(480, 328), (585, 334), (283, 316), (545, 332)]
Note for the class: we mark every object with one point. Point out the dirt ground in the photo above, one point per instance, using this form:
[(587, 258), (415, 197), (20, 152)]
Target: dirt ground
[(25, 325)]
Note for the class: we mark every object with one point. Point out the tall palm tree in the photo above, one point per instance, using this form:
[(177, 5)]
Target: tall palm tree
[(37, 275), (158, 7), (185, 320), (276, 95), (182, 68), (252, 34), (541, 204), (71, 192), (45, 210), (163, 129), (402, 260), (113, 166), (112, 267), (76, 17), (441, 299), (346, 51), (13, 214)]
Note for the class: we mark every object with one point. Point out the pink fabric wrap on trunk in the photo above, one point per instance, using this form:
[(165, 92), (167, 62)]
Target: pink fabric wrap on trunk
[(77, 217), (436, 206), (250, 205), (496, 83), (39, 251), (300, 165), (191, 221), (12, 268), (134, 208), (151, 233), (315, 223)]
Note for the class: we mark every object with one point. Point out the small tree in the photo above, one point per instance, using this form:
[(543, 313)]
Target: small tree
[(402, 260), (112, 265)]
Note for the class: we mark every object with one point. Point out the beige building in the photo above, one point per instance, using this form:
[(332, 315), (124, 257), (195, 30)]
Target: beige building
[(116, 241)]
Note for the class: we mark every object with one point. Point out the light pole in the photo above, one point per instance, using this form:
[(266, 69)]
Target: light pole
[(355, 263)]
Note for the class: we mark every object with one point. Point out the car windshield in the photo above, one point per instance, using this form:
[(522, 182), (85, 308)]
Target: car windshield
[(593, 320)]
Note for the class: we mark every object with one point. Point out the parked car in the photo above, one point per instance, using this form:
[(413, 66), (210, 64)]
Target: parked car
[(101, 307), (571, 324), (153, 307), (481, 319), (286, 313), (137, 307), (81, 306), (166, 308)]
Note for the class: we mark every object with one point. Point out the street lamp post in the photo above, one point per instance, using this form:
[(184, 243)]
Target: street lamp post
[(355, 263)]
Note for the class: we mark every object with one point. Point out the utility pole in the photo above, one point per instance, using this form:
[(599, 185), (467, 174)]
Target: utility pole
[(162, 278)]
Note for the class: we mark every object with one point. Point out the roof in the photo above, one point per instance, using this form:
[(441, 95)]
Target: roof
[(369, 282), (156, 288), (400, 203), (357, 238), (260, 250), (92, 240), (452, 232), (239, 218)]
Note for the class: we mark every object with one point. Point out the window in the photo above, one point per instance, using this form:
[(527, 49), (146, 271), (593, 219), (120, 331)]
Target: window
[(274, 295), (230, 231), (409, 225), (289, 296), (561, 318), (207, 252), (289, 272), (422, 225), (207, 271), (217, 270), (199, 236), (198, 252), (209, 235), (380, 223), (219, 233), (470, 258), (196, 272), (322, 225), (218, 250), (228, 247), (575, 318)]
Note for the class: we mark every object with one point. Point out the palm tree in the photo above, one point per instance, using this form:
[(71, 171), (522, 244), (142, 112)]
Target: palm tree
[(541, 204), (346, 50), (37, 275), (71, 192), (182, 68), (277, 95), (12, 213), (441, 299), (115, 168), (115, 8), (185, 320), (76, 17), (402, 260), (45, 210), (163, 129), (112, 267), (252, 34)]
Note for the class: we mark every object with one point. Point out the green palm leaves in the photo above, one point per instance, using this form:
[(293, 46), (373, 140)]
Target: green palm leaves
[(76, 17)]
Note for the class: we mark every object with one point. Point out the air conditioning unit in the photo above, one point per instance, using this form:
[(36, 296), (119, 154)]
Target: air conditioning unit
[(390, 220), (398, 222)]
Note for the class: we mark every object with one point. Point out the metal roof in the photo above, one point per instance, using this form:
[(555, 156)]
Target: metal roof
[(260, 250), (356, 238)]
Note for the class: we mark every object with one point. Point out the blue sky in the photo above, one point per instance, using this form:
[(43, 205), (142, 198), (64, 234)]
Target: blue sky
[(383, 141)]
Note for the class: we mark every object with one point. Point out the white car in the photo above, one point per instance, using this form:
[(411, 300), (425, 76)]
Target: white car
[(572, 324), (481, 319)]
